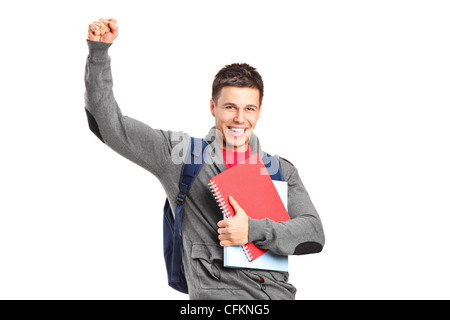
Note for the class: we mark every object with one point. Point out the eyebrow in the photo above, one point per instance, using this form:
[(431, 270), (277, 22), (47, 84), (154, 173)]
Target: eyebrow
[(234, 105)]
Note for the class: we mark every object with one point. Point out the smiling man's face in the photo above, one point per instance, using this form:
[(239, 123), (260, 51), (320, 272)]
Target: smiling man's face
[(236, 112)]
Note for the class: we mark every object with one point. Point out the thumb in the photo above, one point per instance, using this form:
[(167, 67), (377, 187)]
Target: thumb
[(235, 205), (113, 25)]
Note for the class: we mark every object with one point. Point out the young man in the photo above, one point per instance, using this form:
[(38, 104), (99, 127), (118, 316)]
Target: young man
[(236, 106)]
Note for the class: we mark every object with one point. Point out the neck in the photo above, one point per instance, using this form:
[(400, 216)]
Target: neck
[(243, 148)]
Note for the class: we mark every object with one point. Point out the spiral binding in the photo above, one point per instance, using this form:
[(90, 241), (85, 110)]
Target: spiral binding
[(247, 252), (219, 199), (226, 212)]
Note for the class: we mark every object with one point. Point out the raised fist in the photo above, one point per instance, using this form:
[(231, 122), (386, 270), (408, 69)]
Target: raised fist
[(103, 30)]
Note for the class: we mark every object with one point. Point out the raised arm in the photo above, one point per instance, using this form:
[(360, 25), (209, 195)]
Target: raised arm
[(131, 138)]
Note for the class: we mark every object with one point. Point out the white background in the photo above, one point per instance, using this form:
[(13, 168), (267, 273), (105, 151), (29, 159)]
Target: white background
[(357, 97)]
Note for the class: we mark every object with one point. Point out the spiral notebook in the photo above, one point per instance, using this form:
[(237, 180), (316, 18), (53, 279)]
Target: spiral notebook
[(234, 256), (251, 186)]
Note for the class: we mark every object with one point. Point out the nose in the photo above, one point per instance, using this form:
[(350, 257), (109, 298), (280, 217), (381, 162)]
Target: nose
[(239, 117)]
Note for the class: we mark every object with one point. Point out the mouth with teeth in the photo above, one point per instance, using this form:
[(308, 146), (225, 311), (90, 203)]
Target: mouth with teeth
[(236, 131)]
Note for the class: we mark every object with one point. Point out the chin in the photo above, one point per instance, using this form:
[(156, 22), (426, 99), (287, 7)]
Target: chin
[(237, 143)]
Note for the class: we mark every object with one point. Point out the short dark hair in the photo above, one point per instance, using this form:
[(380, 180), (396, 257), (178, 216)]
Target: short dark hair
[(237, 75)]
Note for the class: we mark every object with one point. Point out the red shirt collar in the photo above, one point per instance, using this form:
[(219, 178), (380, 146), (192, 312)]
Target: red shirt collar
[(232, 158)]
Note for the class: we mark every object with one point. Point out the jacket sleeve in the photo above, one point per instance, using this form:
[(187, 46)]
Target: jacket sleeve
[(136, 141), (303, 234)]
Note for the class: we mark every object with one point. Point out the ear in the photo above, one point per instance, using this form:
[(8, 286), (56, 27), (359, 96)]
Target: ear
[(212, 106)]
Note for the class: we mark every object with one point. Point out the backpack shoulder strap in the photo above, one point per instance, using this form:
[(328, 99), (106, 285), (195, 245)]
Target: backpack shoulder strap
[(273, 166), (191, 167)]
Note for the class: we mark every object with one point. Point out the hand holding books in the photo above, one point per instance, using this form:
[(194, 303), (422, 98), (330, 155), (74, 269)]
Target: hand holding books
[(252, 186), (234, 231)]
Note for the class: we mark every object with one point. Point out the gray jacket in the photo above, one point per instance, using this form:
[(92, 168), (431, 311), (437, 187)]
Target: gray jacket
[(154, 150)]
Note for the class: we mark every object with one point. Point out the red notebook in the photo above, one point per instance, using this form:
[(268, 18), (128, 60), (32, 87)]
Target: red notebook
[(251, 186)]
